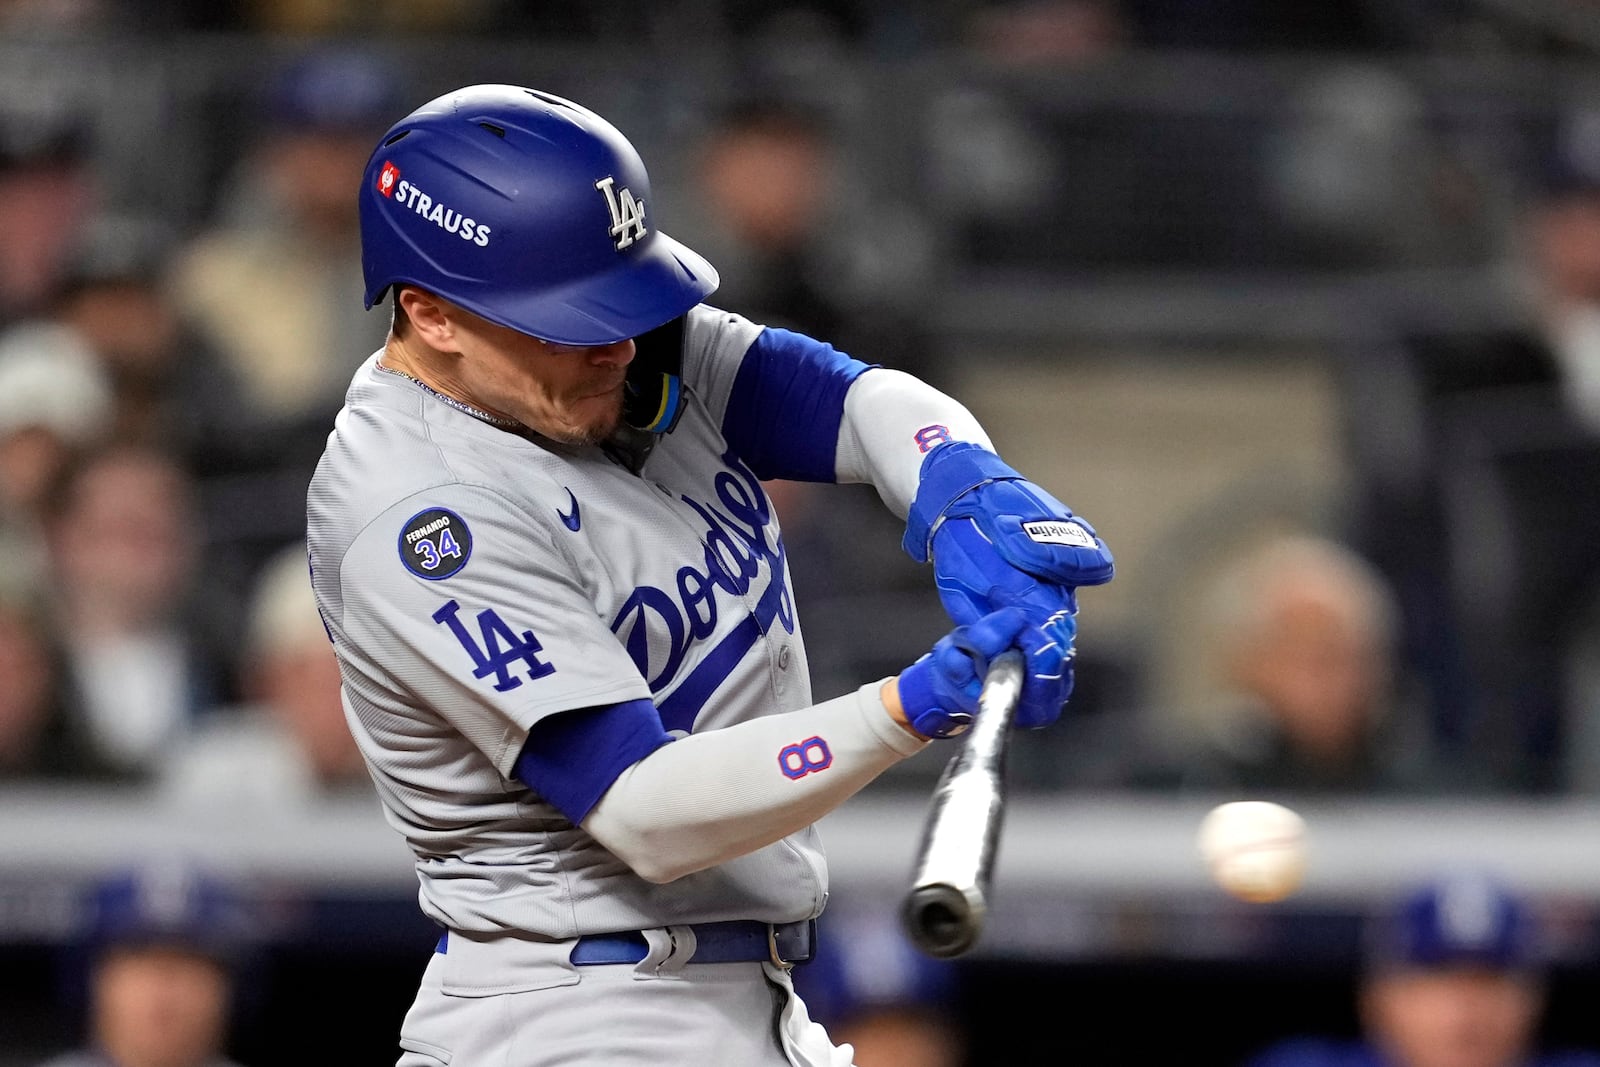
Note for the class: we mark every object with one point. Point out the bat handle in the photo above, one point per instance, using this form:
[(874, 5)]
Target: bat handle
[(944, 910)]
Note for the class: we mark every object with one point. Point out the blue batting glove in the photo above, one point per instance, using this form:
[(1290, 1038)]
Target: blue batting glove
[(939, 692), (1047, 655), (997, 539), (973, 579)]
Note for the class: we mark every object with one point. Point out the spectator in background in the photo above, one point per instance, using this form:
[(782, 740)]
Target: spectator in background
[(1476, 443), (276, 288), (870, 989), (1452, 978), (291, 747), (1563, 228), (801, 245), (770, 172), (1306, 674), (55, 400), (164, 943), (39, 741), (168, 388), (141, 638), (46, 195)]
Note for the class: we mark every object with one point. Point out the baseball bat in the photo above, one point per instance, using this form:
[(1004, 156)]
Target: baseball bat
[(944, 910)]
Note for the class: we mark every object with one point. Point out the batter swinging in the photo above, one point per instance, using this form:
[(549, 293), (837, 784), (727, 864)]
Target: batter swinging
[(560, 602)]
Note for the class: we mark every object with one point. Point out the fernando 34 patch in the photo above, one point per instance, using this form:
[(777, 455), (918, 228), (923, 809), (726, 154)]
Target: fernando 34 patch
[(435, 543)]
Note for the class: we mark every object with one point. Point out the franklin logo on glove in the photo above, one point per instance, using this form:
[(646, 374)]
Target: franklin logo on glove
[(1059, 533)]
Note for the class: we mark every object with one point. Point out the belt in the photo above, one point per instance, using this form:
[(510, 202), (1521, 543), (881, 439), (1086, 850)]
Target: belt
[(736, 941)]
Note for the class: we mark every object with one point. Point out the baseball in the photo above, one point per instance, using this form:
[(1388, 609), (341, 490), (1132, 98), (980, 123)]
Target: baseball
[(1256, 849)]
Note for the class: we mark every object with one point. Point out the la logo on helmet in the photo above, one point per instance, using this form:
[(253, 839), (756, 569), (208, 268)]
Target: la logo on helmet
[(627, 214)]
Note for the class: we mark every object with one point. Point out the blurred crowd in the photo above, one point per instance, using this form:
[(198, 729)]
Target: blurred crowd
[(165, 397), (168, 372)]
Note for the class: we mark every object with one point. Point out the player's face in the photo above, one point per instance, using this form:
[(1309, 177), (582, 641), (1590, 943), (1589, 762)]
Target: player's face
[(1454, 1017), (567, 393), (159, 1005)]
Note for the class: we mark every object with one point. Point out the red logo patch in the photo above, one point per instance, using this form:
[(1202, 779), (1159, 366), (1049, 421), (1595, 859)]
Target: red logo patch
[(387, 178)]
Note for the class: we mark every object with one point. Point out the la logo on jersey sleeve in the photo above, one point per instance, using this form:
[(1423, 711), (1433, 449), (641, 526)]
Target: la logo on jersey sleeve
[(435, 543)]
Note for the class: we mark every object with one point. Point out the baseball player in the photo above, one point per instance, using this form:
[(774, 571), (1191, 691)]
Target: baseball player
[(561, 606)]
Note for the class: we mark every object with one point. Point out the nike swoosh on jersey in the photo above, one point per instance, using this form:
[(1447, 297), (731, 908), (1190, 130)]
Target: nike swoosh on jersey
[(573, 520)]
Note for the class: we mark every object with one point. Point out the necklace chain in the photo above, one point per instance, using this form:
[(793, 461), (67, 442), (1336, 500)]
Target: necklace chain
[(459, 405)]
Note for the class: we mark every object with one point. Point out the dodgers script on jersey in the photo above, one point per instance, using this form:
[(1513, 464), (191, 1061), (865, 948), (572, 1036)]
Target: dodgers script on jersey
[(475, 581)]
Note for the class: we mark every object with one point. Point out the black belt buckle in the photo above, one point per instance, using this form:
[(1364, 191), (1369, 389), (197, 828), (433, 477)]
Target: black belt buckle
[(791, 944)]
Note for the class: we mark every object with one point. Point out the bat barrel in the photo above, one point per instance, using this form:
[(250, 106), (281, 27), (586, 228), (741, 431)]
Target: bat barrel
[(944, 910)]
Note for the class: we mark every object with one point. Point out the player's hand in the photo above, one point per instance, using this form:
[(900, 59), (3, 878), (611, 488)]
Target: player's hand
[(939, 692), (998, 540)]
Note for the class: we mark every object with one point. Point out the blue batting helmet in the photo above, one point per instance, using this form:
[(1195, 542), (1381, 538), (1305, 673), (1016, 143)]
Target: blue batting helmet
[(526, 209), (170, 902), (1460, 917)]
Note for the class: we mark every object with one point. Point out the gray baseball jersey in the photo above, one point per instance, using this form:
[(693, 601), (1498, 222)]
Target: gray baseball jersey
[(475, 582)]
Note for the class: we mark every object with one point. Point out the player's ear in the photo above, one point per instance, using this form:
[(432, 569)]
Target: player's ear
[(428, 315)]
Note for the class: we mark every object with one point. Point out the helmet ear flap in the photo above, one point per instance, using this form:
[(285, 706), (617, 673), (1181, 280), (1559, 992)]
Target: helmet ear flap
[(653, 396)]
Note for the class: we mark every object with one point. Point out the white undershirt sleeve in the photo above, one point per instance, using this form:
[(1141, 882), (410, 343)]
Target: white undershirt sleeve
[(707, 798), (891, 421)]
